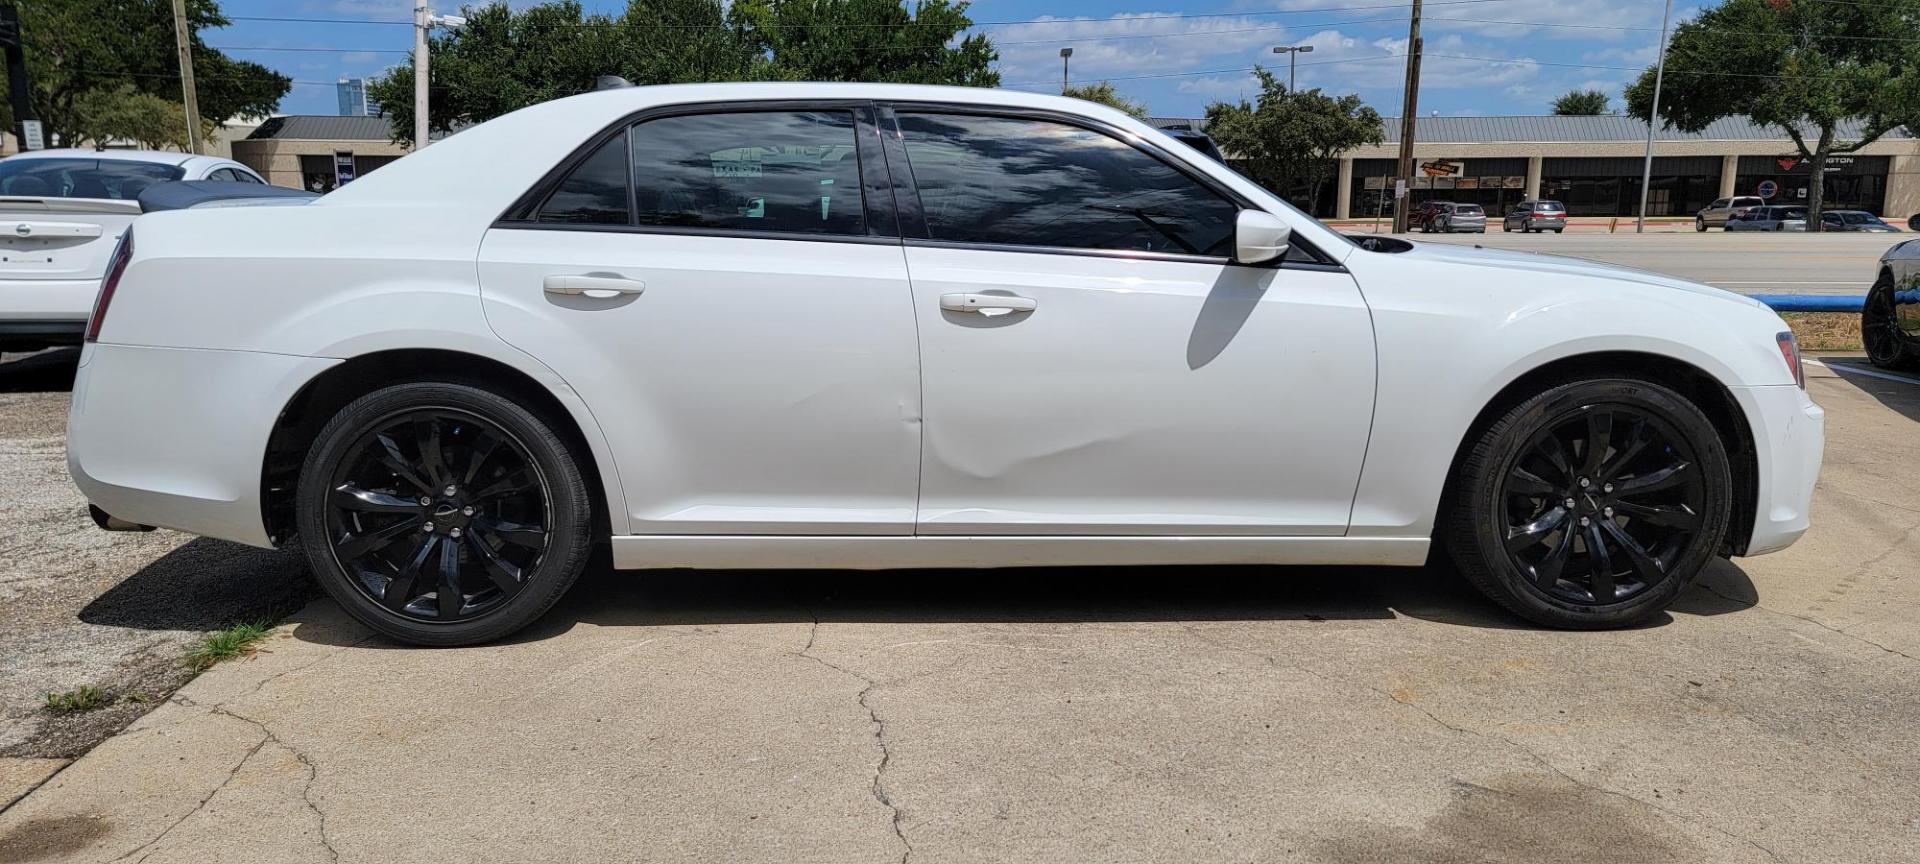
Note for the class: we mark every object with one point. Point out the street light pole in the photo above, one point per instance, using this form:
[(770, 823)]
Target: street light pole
[(1293, 53), (1653, 117), (1065, 55), (423, 21)]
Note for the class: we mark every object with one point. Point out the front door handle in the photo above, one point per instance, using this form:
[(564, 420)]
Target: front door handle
[(595, 286), (987, 304)]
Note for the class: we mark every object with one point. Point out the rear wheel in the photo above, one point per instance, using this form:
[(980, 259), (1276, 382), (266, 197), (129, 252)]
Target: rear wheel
[(1592, 505), (1887, 345), (442, 514), (1700, 224)]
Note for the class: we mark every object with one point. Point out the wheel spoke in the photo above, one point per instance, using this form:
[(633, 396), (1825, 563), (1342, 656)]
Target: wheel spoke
[(448, 589), (1522, 536), (1600, 571), (519, 534), (1547, 572), (504, 574), (1653, 481), (1599, 439), (352, 497), (483, 449), (397, 463), (1551, 448), (1649, 568), (400, 587), (515, 481), (353, 546), (1664, 515), (1520, 481), (432, 459), (1637, 439)]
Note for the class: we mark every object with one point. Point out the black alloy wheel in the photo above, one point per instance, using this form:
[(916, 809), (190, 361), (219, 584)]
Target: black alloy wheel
[(1591, 505), (1888, 346), (442, 514)]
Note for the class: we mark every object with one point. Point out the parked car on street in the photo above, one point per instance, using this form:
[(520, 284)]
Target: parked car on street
[(1717, 214), (1890, 321), (61, 212), (1419, 216), (1532, 217), (1770, 218), (1858, 221), (1456, 218), (778, 325)]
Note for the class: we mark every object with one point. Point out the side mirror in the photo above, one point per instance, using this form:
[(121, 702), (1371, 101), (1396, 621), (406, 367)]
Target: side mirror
[(1259, 237)]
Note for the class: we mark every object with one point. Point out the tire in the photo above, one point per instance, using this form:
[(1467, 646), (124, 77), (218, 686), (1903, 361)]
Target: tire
[(1559, 230), (525, 509), (1492, 500), (1887, 346), (1700, 224)]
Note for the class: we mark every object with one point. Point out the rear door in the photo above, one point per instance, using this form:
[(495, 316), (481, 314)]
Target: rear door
[(1095, 364), (725, 288)]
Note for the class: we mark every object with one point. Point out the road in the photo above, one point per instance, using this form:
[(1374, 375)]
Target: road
[(1746, 263), (1112, 715)]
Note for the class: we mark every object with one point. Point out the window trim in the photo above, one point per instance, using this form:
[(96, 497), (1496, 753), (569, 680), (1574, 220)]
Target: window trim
[(520, 215), (913, 227)]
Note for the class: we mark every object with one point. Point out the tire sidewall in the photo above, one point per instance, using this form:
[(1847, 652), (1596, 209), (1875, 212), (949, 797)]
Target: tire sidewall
[(568, 508)]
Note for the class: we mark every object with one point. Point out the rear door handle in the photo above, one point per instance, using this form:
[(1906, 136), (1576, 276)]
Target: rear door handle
[(987, 304), (594, 286)]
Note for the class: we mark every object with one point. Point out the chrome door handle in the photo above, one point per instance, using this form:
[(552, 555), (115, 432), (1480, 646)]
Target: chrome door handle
[(987, 304), (594, 286)]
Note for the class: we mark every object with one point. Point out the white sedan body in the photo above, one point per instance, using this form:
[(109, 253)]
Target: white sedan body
[(754, 398), (61, 211)]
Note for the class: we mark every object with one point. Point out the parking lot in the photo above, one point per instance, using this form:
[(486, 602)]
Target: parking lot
[(1745, 263), (1204, 714)]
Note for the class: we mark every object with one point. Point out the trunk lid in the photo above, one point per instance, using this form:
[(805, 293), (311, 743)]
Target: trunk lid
[(60, 238)]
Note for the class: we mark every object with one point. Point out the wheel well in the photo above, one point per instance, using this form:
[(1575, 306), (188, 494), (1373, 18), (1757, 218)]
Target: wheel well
[(300, 422), (1702, 389)]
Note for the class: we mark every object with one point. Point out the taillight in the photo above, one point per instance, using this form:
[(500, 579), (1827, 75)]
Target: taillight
[(1545, 214), (116, 267), (1790, 352)]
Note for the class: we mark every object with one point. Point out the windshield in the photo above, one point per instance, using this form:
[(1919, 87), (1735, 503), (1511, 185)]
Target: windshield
[(117, 179)]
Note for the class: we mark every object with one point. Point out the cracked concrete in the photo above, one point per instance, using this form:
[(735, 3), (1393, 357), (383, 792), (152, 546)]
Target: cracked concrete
[(1325, 716)]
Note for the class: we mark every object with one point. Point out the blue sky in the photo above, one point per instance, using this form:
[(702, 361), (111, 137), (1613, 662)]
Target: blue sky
[(1484, 57)]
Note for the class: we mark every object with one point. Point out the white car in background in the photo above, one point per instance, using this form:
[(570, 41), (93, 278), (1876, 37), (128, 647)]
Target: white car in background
[(61, 211), (890, 326)]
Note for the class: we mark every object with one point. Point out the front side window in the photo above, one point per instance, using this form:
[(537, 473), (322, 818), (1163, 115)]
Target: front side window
[(785, 171), (1028, 182)]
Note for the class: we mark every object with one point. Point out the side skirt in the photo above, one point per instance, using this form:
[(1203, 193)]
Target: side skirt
[(889, 553)]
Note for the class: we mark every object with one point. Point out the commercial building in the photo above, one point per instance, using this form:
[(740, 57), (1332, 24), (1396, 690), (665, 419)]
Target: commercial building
[(317, 152)]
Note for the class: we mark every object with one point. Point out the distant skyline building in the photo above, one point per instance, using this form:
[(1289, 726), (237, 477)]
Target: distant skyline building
[(354, 101)]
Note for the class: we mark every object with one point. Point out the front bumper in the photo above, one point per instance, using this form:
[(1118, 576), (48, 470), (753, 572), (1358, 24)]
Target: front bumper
[(1789, 438), (156, 437)]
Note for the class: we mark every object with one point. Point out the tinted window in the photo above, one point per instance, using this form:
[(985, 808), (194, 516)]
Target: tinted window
[(1859, 219), (246, 177), (82, 178), (762, 171), (595, 193), (1720, 203), (1552, 205), (1038, 183), (1468, 210)]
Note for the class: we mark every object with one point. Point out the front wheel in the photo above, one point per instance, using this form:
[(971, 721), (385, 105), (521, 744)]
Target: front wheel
[(1592, 505), (443, 514), (1700, 224), (1888, 346)]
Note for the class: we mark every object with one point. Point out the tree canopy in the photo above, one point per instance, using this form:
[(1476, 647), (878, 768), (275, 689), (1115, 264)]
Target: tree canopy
[(507, 58), (1803, 66), (1104, 94), (1582, 103), (108, 61), (1287, 139)]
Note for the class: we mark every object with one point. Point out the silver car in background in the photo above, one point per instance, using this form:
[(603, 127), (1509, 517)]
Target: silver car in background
[(1458, 218), (1534, 216), (1772, 218), (1717, 214)]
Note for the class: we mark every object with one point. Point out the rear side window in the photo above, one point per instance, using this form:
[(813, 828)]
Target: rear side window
[(82, 178), (1025, 182), (595, 193), (1748, 202), (786, 171)]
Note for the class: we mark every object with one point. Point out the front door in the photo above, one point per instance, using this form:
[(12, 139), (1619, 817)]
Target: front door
[(738, 322), (1092, 361)]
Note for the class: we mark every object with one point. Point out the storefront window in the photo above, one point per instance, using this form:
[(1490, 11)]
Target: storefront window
[(1852, 182)]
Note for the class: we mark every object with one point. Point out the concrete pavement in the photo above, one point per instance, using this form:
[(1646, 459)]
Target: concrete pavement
[(1312, 715), (1744, 263)]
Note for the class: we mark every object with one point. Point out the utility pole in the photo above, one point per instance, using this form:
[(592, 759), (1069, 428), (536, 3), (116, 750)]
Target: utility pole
[(1653, 118), (183, 39), (1408, 111), (1293, 53), (422, 21), (19, 89), (1065, 55)]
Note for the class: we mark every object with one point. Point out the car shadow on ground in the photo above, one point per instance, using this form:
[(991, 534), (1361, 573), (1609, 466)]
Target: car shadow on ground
[(40, 372), (206, 585), (1902, 396)]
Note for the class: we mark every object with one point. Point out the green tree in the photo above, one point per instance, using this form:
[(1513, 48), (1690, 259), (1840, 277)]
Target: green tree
[(1287, 139), (1104, 94), (1826, 64), (125, 113), (86, 54), (507, 58), (1582, 103)]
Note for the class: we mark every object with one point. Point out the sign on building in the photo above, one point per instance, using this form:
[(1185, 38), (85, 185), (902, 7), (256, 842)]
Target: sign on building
[(343, 172)]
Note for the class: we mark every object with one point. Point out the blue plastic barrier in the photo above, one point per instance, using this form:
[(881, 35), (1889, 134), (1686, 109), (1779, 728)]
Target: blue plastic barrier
[(1813, 302)]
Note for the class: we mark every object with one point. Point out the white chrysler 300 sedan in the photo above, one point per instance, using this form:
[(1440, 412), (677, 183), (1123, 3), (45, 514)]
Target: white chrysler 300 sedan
[(878, 326)]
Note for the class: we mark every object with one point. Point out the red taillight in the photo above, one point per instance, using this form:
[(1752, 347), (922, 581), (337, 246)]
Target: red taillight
[(116, 266), (1790, 352)]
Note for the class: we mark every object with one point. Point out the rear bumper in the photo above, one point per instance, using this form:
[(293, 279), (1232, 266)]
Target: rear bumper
[(38, 300), (1789, 437), (42, 332), (154, 436)]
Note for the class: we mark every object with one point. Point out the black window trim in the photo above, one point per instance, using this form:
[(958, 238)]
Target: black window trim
[(878, 214), (913, 225)]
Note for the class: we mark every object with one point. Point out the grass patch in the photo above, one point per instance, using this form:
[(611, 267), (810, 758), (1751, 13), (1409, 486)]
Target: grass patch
[(75, 701), (1825, 331), (240, 640)]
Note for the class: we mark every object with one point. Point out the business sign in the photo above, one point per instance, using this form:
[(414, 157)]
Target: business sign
[(1399, 188), (1467, 183), (1768, 189), (1834, 163), (343, 172), (1443, 168), (1374, 184), (1514, 182), (32, 135)]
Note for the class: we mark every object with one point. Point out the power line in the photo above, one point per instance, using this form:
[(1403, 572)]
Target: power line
[(318, 50)]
